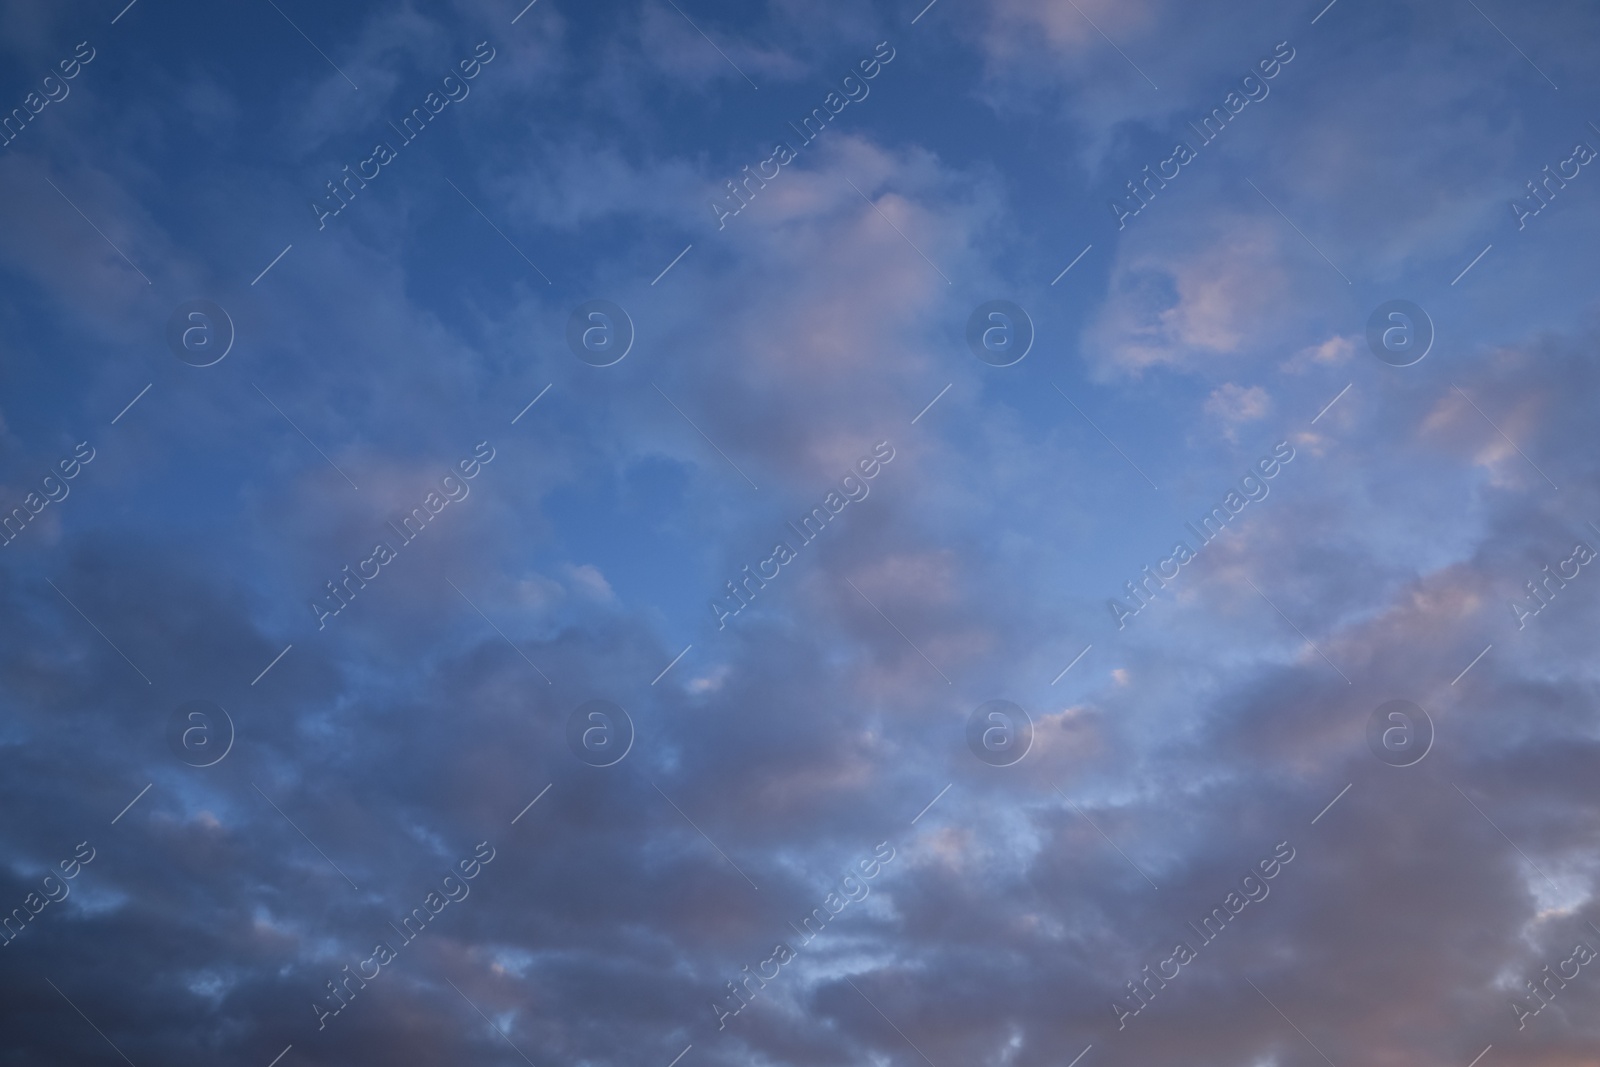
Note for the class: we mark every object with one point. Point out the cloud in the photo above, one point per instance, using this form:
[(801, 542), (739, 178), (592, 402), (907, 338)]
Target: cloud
[(1207, 305), (774, 753), (1233, 405)]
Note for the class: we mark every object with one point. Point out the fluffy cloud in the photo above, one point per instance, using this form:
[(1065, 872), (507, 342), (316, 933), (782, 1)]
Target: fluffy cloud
[(766, 758)]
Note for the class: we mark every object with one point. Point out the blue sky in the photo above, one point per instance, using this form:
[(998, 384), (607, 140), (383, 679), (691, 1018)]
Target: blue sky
[(368, 754)]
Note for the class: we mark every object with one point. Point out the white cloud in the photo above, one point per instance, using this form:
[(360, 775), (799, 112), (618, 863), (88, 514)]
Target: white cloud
[(1234, 405)]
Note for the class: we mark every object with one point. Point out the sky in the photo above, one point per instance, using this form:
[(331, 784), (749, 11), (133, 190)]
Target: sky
[(682, 533)]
